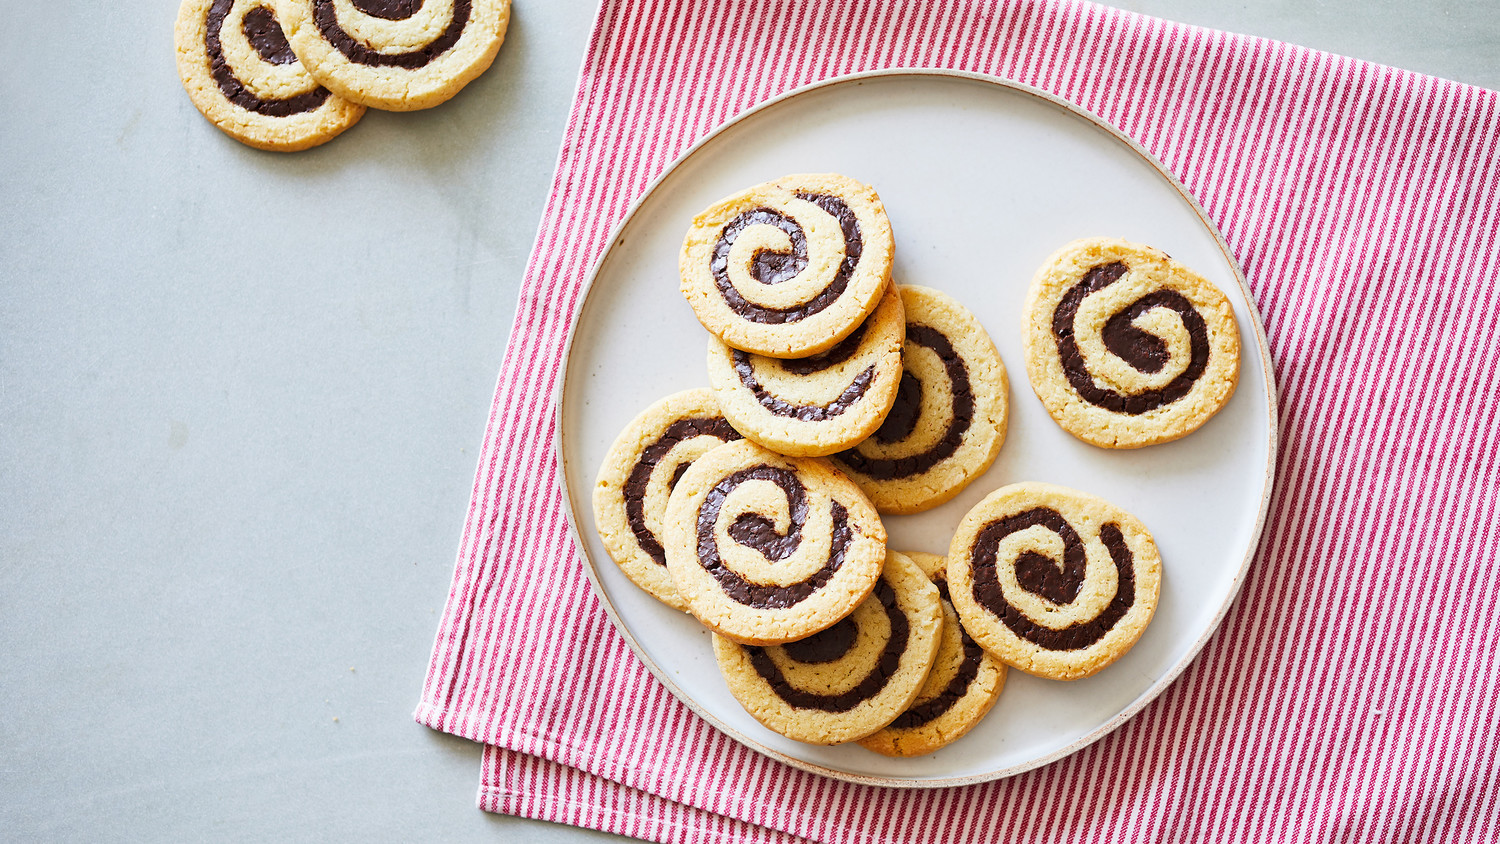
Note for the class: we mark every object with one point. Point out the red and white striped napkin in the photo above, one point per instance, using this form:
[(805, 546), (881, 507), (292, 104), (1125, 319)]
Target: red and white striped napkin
[(1352, 692)]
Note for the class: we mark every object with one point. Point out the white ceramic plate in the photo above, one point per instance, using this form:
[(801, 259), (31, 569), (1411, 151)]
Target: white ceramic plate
[(982, 180)]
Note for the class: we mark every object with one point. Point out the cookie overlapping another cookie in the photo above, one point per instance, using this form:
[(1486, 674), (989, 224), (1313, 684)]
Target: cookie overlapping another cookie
[(817, 405), (239, 70), (643, 466), (790, 267), (950, 414), (766, 548), (962, 687), (1053, 581), (851, 679), (397, 55)]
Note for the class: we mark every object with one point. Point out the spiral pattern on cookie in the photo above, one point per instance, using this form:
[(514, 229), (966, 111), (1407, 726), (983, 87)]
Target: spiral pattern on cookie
[(239, 69), (833, 646), (859, 385), (638, 475), (817, 405), (788, 268), (766, 266), (766, 548), (1125, 346), (1043, 576), (958, 684), (1053, 581), (850, 679), (398, 54), (389, 54), (758, 532), (950, 412), (650, 465), (1144, 351), (960, 690)]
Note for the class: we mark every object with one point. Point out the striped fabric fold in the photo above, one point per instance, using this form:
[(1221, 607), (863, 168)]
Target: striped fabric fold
[(1352, 692)]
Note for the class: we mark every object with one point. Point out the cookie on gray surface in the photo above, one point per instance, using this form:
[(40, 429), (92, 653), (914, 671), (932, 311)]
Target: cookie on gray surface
[(638, 475), (1127, 347), (790, 267), (397, 55), (1053, 581), (768, 549), (850, 680), (817, 405), (240, 72), (950, 413)]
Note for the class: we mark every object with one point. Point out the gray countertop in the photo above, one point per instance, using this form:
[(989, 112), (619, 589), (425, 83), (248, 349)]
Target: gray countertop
[(241, 400)]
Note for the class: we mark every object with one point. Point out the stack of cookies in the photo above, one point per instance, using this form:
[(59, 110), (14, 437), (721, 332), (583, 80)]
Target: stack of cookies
[(837, 398), (290, 74)]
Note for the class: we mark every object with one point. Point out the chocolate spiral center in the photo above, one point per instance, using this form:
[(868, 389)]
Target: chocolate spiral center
[(1042, 576), (266, 36), (958, 685), (1143, 351), (328, 23), (769, 266), (391, 10), (758, 532), (640, 474), (904, 415), (868, 686)]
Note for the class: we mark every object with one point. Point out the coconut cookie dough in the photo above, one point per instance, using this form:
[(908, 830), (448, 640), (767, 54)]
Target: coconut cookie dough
[(1055, 582), (1127, 347), (949, 417), (851, 679), (788, 268), (639, 472), (397, 55), (768, 549), (239, 70), (963, 686), (820, 404)]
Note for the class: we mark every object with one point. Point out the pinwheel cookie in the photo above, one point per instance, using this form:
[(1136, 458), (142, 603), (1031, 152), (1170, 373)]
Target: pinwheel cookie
[(768, 549), (790, 267), (949, 417), (851, 679), (397, 55), (642, 467), (961, 689), (1055, 582), (240, 71), (1125, 346), (817, 405)]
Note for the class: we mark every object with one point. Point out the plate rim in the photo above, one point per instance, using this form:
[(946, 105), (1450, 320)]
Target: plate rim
[(571, 514)]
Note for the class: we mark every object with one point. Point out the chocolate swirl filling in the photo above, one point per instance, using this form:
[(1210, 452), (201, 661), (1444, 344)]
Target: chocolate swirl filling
[(758, 532), (902, 420), (832, 644), (968, 668), (1042, 576), (640, 474), (1146, 352), (265, 34), (829, 359), (806, 412), (772, 267), (328, 23)]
